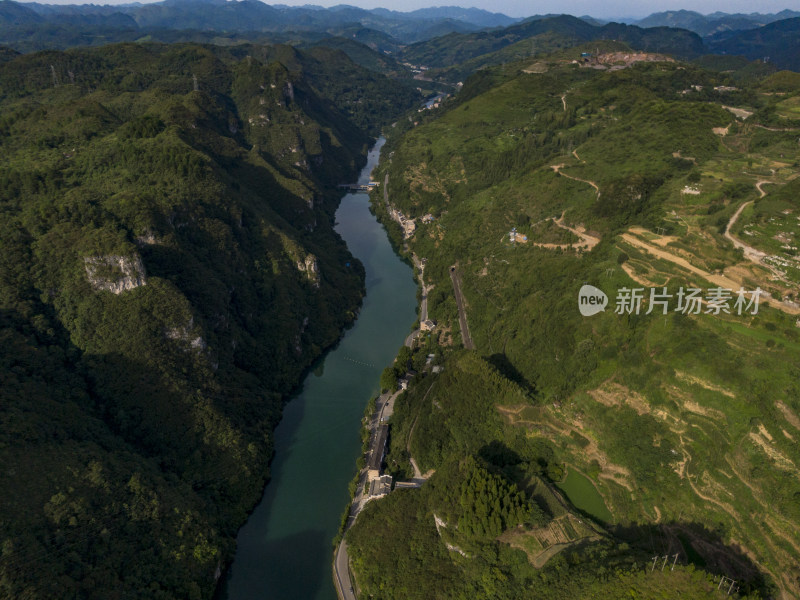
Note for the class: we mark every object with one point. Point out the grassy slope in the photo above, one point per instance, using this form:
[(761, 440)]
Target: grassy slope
[(668, 434)]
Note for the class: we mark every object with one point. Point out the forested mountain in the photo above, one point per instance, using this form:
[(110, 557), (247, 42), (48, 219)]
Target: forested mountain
[(14, 13), (776, 43), (474, 16), (169, 268), (251, 16), (459, 41), (572, 456), (714, 23), (453, 49)]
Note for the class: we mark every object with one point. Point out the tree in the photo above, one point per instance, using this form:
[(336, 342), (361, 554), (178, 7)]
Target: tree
[(388, 379)]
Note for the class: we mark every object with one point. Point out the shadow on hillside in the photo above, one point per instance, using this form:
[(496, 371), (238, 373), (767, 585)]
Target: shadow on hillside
[(693, 543), (500, 362), (696, 544)]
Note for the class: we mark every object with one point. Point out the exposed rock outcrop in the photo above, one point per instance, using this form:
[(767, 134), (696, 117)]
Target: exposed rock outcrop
[(186, 334), (311, 268), (147, 238), (114, 273)]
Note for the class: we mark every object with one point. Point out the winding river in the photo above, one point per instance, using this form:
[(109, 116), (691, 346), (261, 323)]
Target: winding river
[(285, 549)]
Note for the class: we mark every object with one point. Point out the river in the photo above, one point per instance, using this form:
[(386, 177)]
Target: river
[(284, 551)]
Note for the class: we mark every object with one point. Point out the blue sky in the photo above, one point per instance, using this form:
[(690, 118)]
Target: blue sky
[(523, 8)]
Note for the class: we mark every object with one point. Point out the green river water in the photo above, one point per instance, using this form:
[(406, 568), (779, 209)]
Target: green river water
[(285, 549)]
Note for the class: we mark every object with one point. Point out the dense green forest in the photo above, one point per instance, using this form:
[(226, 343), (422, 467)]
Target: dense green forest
[(450, 43), (169, 268), (457, 48), (605, 441)]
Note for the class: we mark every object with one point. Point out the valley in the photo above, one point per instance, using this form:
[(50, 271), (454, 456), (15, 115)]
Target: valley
[(170, 271), (199, 308)]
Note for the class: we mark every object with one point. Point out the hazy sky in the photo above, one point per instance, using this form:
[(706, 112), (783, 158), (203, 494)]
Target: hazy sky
[(523, 8)]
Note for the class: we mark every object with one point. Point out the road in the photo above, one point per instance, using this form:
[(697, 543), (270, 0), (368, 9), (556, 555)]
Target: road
[(423, 305), (383, 410), (720, 280), (750, 253), (341, 565), (587, 241), (387, 405), (341, 570), (394, 216), (462, 313), (557, 169)]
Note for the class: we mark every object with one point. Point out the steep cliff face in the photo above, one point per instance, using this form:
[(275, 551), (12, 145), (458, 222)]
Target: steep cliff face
[(310, 267), (114, 273), (168, 269)]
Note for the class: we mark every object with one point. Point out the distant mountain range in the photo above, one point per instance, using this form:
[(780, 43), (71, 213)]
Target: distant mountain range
[(777, 43), (772, 38), (253, 15), (715, 23), (441, 37), (455, 49)]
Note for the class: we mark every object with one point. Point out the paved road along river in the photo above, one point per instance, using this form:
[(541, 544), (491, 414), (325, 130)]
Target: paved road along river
[(284, 550)]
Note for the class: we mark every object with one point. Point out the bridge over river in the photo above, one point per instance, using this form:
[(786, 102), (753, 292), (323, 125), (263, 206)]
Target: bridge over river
[(358, 187)]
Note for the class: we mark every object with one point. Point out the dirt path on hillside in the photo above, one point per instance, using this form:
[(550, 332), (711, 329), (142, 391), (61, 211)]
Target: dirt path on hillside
[(760, 189), (720, 280), (587, 241), (738, 112), (750, 253), (418, 475), (776, 128), (754, 255), (557, 169)]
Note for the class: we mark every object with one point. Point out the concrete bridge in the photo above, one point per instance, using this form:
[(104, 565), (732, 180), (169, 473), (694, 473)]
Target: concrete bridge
[(358, 187)]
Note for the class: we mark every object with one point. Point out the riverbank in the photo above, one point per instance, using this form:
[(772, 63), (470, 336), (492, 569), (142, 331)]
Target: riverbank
[(342, 576), (284, 549)]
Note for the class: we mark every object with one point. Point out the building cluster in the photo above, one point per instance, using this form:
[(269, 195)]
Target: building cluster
[(717, 88), (408, 225), (515, 236), (416, 69), (379, 484)]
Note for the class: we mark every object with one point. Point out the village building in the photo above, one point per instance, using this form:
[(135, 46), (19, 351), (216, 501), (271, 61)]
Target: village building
[(377, 453), (380, 486), (404, 381)]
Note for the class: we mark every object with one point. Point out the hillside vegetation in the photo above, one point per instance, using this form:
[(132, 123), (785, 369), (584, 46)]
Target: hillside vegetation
[(169, 268), (675, 432), (457, 48)]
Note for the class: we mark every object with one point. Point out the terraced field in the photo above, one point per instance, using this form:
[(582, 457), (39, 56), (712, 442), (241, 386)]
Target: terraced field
[(681, 418)]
